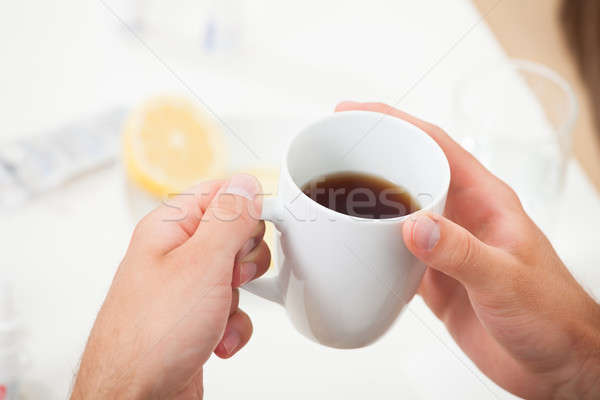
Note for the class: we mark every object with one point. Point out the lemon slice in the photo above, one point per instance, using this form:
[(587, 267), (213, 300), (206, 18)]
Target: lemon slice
[(169, 144)]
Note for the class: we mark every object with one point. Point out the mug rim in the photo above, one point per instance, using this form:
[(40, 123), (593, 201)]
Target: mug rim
[(343, 114)]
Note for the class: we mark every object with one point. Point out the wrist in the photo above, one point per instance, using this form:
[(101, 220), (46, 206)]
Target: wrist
[(584, 385), (95, 380), (585, 382), (101, 389), (589, 380)]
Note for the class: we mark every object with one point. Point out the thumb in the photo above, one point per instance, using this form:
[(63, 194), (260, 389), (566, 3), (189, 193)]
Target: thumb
[(449, 248), (231, 216)]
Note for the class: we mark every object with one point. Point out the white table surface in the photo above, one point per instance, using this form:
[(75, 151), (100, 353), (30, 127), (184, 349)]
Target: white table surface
[(65, 60)]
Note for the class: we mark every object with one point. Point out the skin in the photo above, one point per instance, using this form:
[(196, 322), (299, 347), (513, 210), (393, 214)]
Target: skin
[(492, 278), (495, 281), (174, 298)]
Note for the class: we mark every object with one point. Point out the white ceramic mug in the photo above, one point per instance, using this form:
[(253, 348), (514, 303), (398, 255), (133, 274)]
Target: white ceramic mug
[(344, 280)]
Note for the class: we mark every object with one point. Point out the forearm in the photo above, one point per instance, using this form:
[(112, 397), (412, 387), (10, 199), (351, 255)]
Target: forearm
[(90, 384), (104, 375)]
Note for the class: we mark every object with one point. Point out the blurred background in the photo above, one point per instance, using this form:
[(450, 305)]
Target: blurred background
[(110, 105)]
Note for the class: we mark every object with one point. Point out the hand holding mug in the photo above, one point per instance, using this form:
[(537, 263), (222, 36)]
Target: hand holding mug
[(499, 286), (174, 298)]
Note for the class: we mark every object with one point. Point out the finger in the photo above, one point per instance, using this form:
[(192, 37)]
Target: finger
[(464, 168), (237, 334), (235, 301), (231, 218), (440, 291), (255, 238), (451, 249), (175, 220), (252, 266)]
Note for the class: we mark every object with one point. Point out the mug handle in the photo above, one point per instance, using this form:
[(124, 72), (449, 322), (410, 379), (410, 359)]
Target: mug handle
[(269, 288)]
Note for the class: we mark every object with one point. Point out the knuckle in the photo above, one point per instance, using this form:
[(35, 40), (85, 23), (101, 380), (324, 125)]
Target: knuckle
[(436, 129), (227, 207), (507, 196), (511, 193), (227, 201), (179, 207), (464, 254), (224, 214), (142, 226)]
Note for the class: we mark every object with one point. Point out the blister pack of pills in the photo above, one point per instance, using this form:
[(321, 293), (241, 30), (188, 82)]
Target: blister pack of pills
[(34, 165)]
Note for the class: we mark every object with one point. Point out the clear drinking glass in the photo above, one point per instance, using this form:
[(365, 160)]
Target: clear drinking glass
[(516, 118)]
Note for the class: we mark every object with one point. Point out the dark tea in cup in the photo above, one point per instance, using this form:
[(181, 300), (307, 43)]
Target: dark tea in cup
[(361, 195)]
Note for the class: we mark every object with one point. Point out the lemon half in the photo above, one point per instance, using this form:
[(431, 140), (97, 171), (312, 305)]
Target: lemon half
[(169, 145)]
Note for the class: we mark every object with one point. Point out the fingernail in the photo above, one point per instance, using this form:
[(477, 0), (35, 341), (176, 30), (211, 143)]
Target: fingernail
[(231, 341), (426, 232), (247, 272), (243, 185)]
